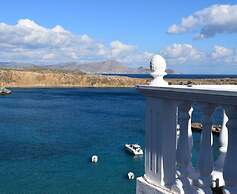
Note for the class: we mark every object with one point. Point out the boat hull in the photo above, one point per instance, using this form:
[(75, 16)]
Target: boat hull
[(129, 148)]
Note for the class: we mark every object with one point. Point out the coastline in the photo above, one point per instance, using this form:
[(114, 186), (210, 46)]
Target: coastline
[(51, 79), (15, 78), (122, 82), (218, 81)]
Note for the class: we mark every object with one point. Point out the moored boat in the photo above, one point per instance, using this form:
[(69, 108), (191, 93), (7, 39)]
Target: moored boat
[(5, 91), (134, 149)]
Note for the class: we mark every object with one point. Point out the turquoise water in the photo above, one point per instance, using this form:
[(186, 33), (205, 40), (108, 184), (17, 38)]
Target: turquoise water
[(47, 137)]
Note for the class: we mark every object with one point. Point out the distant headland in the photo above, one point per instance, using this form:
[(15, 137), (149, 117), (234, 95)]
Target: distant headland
[(57, 78), (17, 74)]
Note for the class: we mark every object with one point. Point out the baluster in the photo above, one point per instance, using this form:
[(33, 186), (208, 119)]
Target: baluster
[(184, 150), (223, 142), (224, 136), (205, 161), (219, 164), (230, 169), (184, 147)]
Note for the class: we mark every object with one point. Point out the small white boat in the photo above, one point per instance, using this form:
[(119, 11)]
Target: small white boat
[(134, 149), (5, 91)]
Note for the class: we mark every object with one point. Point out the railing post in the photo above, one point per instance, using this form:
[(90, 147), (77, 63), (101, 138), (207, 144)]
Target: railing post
[(230, 170), (160, 144), (160, 153), (160, 140), (151, 139), (205, 161)]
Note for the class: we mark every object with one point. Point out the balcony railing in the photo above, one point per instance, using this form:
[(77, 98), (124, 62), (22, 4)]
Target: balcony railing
[(168, 166)]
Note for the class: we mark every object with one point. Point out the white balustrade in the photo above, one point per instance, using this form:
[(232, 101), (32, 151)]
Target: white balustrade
[(168, 167), (230, 169)]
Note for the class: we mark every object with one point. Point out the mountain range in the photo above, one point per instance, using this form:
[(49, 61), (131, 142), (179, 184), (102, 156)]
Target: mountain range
[(109, 66)]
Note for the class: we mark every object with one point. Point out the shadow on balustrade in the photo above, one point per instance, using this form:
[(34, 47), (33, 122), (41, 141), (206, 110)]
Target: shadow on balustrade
[(217, 190)]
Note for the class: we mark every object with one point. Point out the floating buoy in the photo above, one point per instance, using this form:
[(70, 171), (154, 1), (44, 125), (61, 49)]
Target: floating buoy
[(94, 159), (131, 175)]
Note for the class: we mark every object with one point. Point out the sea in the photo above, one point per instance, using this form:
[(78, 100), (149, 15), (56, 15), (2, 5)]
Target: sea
[(176, 76), (48, 135)]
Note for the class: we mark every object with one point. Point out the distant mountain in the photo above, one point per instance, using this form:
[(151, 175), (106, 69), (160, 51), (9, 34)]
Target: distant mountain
[(17, 65), (170, 71), (109, 66), (147, 70)]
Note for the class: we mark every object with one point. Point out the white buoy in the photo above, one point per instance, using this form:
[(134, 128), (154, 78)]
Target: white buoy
[(131, 175), (94, 159)]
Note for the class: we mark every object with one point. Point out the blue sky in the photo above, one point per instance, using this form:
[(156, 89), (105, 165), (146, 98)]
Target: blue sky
[(140, 26)]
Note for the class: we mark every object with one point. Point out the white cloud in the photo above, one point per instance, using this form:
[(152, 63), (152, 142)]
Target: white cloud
[(128, 53), (186, 55), (118, 48), (182, 54), (224, 55), (216, 19), (29, 41)]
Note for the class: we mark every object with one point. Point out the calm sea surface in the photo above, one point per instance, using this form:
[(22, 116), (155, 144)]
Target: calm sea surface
[(184, 76), (47, 137)]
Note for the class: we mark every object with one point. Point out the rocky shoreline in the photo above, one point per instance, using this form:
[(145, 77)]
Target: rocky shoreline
[(51, 78), (198, 127), (219, 81)]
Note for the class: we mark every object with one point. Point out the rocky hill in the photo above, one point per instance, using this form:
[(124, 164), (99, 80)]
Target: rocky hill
[(52, 78)]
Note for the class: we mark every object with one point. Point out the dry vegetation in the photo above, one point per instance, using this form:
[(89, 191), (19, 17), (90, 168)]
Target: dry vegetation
[(48, 78)]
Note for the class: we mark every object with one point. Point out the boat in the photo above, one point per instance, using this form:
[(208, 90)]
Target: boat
[(134, 149), (5, 91)]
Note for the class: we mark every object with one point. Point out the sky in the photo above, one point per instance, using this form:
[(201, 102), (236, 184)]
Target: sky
[(193, 36)]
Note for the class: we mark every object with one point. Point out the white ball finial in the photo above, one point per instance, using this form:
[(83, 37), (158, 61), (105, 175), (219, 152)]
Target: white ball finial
[(158, 67)]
